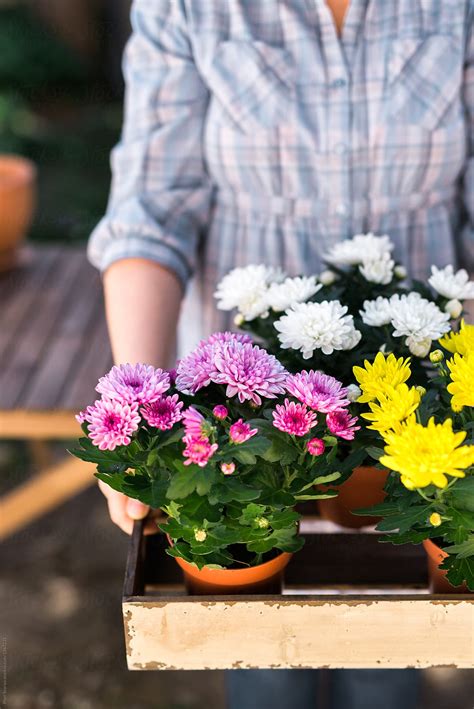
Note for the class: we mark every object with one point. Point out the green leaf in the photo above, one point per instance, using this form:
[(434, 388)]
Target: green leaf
[(189, 479), (464, 550), (374, 452), (233, 489), (282, 450), (404, 520), (246, 453)]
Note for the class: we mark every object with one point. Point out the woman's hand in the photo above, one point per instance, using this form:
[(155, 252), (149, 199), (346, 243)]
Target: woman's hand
[(142, 301), (124, 510)]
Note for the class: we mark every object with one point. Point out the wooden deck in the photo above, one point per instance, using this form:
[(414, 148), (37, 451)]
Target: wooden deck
[(53, 348)]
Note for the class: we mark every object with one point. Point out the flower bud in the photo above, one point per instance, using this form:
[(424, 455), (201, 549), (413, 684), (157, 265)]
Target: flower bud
[(239, 319), (262, 522), (421, 390), (453, 308), (353, 392), (419, 348), (200, 535), (220, 412), (400, 271), (315, 446), (436, 356), (228, 468), (327, 277), (435, 519)]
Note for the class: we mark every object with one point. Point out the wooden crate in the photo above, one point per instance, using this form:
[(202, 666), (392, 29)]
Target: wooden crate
[(347, 601)]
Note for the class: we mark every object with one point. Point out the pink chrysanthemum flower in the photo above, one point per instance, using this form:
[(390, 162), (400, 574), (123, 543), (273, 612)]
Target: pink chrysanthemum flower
[(228, 468), (295, 419), (315, 446), (172, 375), (197, 369), (319, 391), (342, 424), (240, 432), (82, 415), (164, 413), (195, 424), (198, 450), (131, 383), (227, 336), (220, 412), (194, 371), (112, 423), (249, 372)]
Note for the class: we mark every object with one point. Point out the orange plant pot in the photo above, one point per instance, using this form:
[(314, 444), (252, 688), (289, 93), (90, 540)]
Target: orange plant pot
[(438, 581), (363, 489), (17, 203), (265, 578)]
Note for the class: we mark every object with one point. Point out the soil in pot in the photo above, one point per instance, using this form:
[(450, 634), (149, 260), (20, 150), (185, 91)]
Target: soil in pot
[(438, 581), (363, 489), (264, 578)]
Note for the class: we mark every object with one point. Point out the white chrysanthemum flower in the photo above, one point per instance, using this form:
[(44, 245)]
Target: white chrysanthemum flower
[(453, 308), (417, 319), (376, 312), (353, 392), (418, 348), (400, 271), (327, 277), (378, 270), (362, 247), (281, 296), (311, 326), (450, 284), (246, 289)]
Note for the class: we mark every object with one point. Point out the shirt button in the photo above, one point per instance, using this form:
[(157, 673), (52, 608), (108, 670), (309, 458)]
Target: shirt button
[(340, 148), (342, 209), (338, 83)]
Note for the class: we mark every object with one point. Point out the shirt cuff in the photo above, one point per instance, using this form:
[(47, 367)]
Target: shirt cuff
[(102, 255)]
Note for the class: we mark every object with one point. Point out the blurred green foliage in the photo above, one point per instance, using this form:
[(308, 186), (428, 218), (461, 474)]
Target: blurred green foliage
[(55, 111)]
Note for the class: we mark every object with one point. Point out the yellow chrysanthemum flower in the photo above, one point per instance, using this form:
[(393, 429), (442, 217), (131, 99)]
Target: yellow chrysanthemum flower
[(435, 519), (379, 377), (460, 342), (394, 407), (462, 381), (425, 455)]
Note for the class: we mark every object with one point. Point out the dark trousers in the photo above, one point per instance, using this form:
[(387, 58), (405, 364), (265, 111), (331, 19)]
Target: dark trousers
[(298, 689)]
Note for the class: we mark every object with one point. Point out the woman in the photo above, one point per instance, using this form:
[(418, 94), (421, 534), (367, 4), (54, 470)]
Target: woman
[(265, 131)]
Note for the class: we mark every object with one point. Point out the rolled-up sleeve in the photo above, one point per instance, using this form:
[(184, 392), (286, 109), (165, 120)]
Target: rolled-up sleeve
[(466, 236), (160, 195)]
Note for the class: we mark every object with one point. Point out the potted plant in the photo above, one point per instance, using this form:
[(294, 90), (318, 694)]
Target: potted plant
[(428, 445), (17, 201), (226, 446), (336, 320)]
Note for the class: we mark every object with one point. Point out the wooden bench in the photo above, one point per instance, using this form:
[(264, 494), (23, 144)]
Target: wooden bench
[(53, 348)]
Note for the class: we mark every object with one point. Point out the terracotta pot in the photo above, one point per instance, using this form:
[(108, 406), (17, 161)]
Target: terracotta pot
[(265, 578), (438, 581), (17, 201), (363, 489)]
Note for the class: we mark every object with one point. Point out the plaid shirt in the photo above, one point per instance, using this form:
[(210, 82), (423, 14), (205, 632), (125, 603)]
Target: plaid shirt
[(254, 134)]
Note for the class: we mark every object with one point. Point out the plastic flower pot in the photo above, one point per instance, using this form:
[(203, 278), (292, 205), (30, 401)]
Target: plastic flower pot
[(363, 489), (17, 201), (264, 578), (438, 580)]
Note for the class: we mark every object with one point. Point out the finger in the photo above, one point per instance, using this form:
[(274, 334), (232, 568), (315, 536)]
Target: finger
[(118, 513), (150, 527), (136, 509)]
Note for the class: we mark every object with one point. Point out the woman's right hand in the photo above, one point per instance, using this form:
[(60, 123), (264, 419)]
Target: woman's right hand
[(125, 510), (142, 300)]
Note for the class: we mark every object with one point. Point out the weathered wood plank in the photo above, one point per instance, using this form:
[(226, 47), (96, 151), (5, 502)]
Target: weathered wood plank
[(299, 632), (67, 344), (32, 345), (19, 290), (94, 361)]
